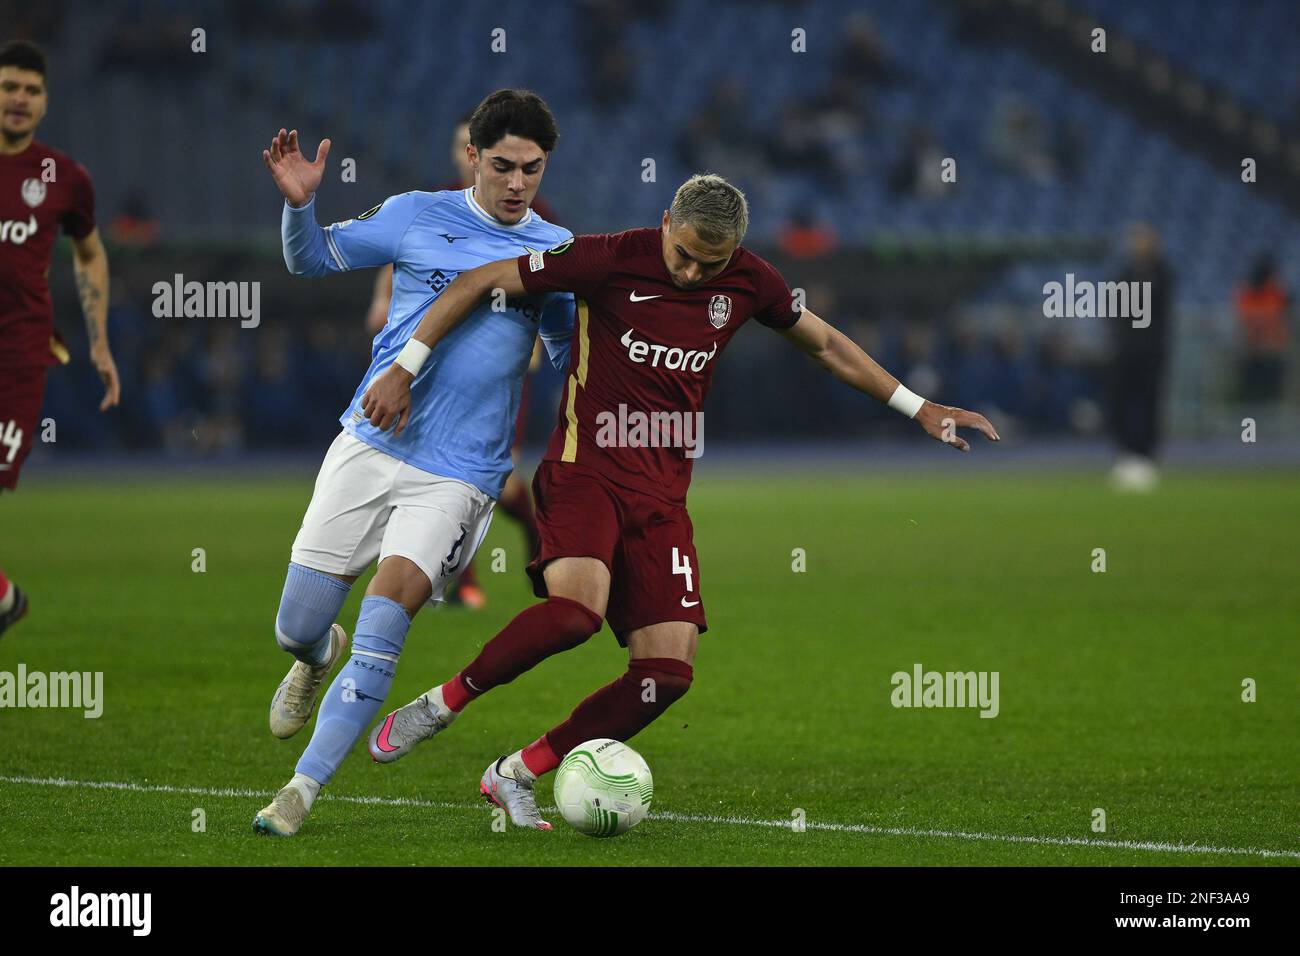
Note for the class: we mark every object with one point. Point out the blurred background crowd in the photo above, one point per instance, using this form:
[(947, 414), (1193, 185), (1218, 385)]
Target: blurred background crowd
[(835, 118)]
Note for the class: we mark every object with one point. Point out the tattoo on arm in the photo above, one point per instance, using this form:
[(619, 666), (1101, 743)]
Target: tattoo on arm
[(90, 299)]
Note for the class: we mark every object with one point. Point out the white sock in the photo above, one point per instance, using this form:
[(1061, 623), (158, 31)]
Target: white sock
[(515, 768), (435, 697), (7, 599), (307, 788)]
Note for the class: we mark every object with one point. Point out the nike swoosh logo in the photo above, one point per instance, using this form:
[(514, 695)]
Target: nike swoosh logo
[(382, 740), (686, 603), (641, 298)]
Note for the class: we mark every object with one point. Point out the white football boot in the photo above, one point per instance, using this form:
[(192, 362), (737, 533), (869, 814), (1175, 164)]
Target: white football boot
[(407, 726), (283, 816), (297, 693), (510, 786)]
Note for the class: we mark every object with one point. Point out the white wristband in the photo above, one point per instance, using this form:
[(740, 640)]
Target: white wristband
[(905, 401), (412, 355)]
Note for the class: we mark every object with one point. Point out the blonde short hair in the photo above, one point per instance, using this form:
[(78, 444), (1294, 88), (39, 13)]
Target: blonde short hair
[(714, 208)]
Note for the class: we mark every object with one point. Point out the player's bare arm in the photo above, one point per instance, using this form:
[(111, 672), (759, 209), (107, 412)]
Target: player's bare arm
[(844, 359), (388, 399), (296, 178), (90, 266)]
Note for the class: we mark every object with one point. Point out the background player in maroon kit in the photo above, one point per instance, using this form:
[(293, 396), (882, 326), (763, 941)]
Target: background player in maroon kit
[(656, 307), (515, 500), (41, 191)]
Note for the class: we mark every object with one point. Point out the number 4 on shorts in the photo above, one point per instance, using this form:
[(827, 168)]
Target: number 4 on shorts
[(12, 438), (682, 565)]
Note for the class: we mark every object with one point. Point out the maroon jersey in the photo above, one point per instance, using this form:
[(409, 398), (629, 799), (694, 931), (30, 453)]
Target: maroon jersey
[(41, 191), (543, 209), (644, 351)]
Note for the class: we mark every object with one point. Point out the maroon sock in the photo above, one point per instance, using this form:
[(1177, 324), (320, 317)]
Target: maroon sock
[(518, 504), (557, 624), (619, 710), (539, 758)]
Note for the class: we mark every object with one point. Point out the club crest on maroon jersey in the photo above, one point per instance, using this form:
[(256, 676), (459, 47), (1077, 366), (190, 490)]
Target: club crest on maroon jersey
[(719, 310), (33, 192)]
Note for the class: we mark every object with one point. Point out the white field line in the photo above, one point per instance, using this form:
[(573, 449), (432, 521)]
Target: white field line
[(1148, 845)]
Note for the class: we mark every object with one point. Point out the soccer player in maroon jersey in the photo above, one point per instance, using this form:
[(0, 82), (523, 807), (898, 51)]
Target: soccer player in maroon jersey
[(41, 191), (656, 307), (515, 500)]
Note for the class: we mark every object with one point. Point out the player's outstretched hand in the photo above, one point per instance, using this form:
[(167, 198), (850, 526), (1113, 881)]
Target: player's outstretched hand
[(298, 179), (102, 359), (942, 421), (388, 399)]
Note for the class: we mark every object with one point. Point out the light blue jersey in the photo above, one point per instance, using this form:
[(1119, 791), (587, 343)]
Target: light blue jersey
[(466, 398)]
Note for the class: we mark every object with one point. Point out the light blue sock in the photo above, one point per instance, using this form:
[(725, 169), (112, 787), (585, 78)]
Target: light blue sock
[(309, 605), (350, 704)]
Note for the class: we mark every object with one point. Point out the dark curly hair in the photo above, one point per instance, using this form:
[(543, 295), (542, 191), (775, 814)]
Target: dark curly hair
[(519, 113)]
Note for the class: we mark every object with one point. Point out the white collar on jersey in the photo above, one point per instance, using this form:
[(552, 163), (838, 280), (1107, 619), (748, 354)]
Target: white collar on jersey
[(487, 217)]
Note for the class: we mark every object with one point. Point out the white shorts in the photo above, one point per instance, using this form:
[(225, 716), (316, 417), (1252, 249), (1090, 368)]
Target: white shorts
[(369, 505)]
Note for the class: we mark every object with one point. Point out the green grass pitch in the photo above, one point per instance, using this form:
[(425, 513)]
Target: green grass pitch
[(1119, 690)]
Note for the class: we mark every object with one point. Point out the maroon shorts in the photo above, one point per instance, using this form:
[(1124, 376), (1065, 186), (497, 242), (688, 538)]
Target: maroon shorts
[(22, 387), (647, 544)]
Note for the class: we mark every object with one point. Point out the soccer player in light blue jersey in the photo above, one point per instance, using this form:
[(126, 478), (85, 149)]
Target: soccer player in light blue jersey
[(417, 498)]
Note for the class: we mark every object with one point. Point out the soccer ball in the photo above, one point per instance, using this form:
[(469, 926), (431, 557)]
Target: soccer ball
[(603, 788)]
